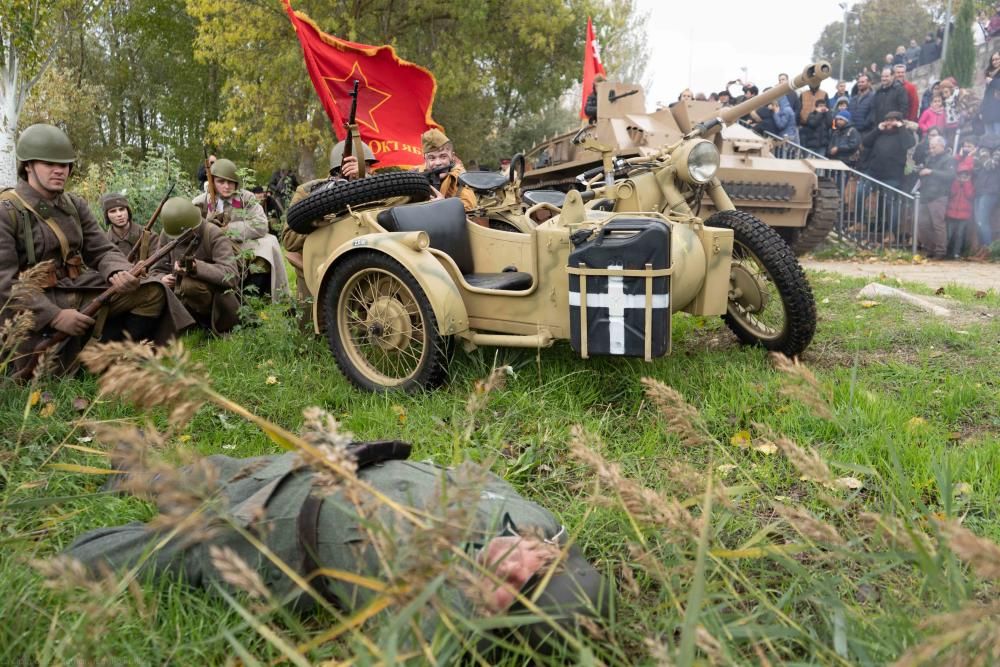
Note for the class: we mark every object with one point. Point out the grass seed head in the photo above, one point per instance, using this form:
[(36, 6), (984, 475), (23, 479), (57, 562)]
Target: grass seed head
[(805, 460), (683, 419), (809, 526), (235, 572), (980, 554), (801, 385), (334, 460), (31, 283), (15, 330)]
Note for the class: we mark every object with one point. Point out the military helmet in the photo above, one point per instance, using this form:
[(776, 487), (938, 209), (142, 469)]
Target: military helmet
[(178, 215), (226, 169), (337, 155), (46, 143)]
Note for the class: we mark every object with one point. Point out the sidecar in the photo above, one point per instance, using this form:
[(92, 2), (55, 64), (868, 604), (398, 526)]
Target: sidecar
[(394, 284)]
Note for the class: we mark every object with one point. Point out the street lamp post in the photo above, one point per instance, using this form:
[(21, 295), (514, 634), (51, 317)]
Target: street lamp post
[(843, 42)]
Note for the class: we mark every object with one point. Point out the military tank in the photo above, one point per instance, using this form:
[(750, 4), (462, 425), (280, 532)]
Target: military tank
[(799, 198)]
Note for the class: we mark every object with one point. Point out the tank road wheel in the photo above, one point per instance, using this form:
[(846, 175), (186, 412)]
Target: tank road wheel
[(770, 301), (380, 326), (336, 197), (820, 221)]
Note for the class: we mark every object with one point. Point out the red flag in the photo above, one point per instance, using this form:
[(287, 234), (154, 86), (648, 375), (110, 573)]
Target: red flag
[(592, 65), (394, 98)]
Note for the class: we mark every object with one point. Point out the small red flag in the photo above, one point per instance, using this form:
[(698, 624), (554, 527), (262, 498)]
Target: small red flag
[(592, 65), (394, 98)]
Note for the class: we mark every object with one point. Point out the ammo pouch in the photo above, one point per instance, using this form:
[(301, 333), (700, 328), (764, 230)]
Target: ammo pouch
[(366, 454)]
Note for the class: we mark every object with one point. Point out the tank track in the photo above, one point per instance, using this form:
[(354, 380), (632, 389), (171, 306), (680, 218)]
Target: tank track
[(820, 222)]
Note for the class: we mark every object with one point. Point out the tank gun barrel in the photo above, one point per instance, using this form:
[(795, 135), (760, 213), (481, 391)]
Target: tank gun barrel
[(810, 76)]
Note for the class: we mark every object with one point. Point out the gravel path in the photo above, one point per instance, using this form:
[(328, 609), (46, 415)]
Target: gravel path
[(933, 274)]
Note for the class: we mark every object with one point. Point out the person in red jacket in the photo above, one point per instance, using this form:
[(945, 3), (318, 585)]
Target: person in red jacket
[(959, 207), (911, 92)]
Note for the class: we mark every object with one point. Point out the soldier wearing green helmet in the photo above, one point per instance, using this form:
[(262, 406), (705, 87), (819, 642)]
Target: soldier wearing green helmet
[(341, 169), (204, 273), (238, 213), (40, 222)]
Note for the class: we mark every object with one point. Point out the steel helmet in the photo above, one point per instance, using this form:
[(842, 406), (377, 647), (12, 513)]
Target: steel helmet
[(46, 143), (226, 169), (178, 215), (337, 155)]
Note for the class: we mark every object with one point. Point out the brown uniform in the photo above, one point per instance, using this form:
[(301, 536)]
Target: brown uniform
[(208, 286), (450, 188), (64, 231), (127, 242)]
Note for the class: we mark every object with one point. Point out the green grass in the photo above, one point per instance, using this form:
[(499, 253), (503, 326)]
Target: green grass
[(915, 418)]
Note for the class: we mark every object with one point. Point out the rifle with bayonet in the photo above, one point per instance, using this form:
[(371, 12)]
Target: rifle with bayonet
[(353, 144), (147, 229), (92, 308)]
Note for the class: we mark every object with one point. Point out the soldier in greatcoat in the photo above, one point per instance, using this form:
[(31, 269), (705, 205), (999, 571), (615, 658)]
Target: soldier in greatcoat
[(203, 274), (39, 221), (242, 218), (122, 232)]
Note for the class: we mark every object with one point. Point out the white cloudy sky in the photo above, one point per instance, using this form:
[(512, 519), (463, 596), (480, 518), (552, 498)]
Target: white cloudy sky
[(701, 44)]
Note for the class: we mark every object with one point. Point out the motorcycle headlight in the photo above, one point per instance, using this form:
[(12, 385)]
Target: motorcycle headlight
[(698, 161)]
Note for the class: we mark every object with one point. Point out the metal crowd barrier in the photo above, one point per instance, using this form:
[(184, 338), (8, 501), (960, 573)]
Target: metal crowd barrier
[(873, 214)]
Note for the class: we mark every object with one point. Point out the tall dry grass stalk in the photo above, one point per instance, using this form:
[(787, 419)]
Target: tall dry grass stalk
[(897, 533), (683, 419), (644, 505), (330, 457), (802, 386), (235, 572), (149, 377), (979, 553), (969, 637), (809, 464), (809, 526), (95, 595)]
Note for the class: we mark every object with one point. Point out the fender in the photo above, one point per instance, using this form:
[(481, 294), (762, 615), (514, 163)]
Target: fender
[(443, 294)]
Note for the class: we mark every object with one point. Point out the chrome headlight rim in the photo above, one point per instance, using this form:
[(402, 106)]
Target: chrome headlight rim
[(698, 162)]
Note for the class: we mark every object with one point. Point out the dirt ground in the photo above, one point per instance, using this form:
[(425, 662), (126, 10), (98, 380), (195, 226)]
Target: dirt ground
[(982, 276)]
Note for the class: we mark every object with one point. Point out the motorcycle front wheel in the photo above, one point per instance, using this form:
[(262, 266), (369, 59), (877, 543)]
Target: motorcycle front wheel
[(770, 301)]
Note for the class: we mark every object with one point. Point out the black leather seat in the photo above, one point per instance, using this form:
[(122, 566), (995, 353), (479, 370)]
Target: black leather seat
[(445, 223), (483, 181)]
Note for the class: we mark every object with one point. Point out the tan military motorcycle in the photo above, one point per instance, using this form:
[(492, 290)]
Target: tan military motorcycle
[(395, 283)]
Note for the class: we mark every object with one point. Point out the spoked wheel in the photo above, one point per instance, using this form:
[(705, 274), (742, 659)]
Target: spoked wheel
[(380, 326), (770, 301)]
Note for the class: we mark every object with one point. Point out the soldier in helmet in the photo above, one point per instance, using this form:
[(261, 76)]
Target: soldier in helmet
[(241, 216), (443, 168), (39, 221), (519, 546), (341, 169), (204, 273)]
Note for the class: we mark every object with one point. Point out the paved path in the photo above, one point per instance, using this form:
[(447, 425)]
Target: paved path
[(933, 274)]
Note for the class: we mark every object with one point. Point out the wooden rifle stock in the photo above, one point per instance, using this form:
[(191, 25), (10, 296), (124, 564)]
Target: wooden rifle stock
[(133, 254), (352, 143), (91, 309)]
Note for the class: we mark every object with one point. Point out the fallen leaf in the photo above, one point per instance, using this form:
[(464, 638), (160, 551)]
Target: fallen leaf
[(962, 489), (869, 304), (915, 423), (47, 410), (954, 435), (400, 413), (849, 483), (980, 294), (939, 291), (84, 438), (263, 315), (783, 499), (271, 379), (825, 300), (962, 333), (229, 446), (34, 398), (741, 439), (725, 469), (767, 448), (184, 438), (80, 404)]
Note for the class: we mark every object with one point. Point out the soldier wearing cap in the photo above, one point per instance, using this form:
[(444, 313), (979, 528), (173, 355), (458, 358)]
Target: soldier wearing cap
[(39, 221), (203, 274), (242, 218), (443, 168), (341, 169), (346, 529), (122, 231)]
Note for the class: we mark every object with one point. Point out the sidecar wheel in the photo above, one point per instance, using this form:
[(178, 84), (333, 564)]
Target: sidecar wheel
[(381, 327), (770, 301)]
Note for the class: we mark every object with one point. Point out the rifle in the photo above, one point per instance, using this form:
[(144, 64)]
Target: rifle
[(210, 182), (91, 309), (352, 143), (133, 254)]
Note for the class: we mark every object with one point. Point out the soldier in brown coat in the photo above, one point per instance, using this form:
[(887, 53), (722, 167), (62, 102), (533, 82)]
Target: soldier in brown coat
[(202, 274), (444, 168), (39, 221), (122, 231)]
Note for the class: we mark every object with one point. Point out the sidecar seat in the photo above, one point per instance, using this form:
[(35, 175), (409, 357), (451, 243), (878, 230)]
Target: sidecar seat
[(445, 223)]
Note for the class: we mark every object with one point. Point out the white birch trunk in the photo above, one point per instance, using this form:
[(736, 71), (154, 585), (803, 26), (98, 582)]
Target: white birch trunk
[(12, 96)]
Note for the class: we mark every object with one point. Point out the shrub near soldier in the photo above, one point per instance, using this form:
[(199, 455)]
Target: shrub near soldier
[(241, 216), (341, 169), (203, 273), (443, 167), (39, 221)]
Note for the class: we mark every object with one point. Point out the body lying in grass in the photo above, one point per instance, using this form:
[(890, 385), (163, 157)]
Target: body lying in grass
[(487, 551)]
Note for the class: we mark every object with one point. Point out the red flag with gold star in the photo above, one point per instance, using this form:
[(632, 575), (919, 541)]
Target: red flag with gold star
[(394, 96), (592, 65)]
